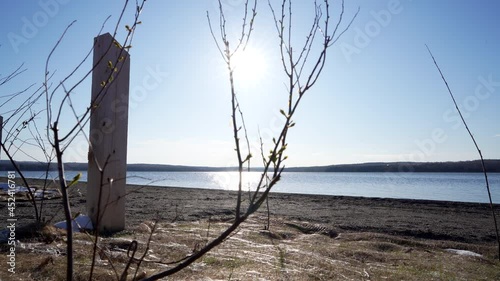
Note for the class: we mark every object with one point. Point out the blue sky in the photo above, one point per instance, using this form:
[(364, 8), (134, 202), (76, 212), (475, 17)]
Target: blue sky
[(379, 98)]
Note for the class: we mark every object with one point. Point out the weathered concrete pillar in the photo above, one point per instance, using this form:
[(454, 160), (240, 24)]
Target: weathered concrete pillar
[(108, 135)]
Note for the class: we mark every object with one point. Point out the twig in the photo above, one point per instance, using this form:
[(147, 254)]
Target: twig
[(146, 250), (131, 248), (16, 167), (227, 54), (98, 217), (66, 205), (477, 148)]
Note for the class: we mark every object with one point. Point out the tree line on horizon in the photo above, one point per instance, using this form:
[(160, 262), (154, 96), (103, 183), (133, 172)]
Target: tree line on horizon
[(473, 166)]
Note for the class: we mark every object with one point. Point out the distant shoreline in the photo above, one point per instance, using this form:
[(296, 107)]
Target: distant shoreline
[(456, 187), (473, 166)]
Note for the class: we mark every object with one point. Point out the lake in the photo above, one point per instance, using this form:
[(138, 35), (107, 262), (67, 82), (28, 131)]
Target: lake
[(461, 187)]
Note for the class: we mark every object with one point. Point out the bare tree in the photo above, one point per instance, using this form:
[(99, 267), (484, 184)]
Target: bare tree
[(53, 144), (19, 120), (322, 32), (302, 70)]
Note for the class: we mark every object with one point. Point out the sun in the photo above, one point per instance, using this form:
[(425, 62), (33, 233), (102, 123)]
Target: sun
[(249, 65)]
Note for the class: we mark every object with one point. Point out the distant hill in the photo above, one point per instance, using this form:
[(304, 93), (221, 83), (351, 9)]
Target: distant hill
[(5, 165), (474, 166), (176, 168)]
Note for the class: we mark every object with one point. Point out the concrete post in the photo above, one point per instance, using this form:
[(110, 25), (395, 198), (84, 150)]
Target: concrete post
[(108, 135)]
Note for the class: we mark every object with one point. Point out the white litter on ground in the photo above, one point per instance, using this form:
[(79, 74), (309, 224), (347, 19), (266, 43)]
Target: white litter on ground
[(17, 188), (82, 222), (463, 253), (39, 194)]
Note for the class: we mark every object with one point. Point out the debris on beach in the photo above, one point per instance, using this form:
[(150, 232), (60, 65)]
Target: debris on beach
[(463, 253), (22, 193), (81, 222)]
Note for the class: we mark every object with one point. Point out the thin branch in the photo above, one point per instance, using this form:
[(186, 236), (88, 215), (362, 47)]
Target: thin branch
[(148, 244), (18, 170), (49, 98), (98, 217), (12, 75), (66, 205), (215, 39), (477, 148)]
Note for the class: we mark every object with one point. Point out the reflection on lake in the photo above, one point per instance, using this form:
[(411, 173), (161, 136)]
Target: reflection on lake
[(464, 187)]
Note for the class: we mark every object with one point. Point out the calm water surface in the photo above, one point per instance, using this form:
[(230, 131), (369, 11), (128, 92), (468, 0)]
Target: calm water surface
[(462, 187)]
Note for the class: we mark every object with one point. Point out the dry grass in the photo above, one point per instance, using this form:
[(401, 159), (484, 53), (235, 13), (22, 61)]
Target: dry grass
[(290, 251)]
